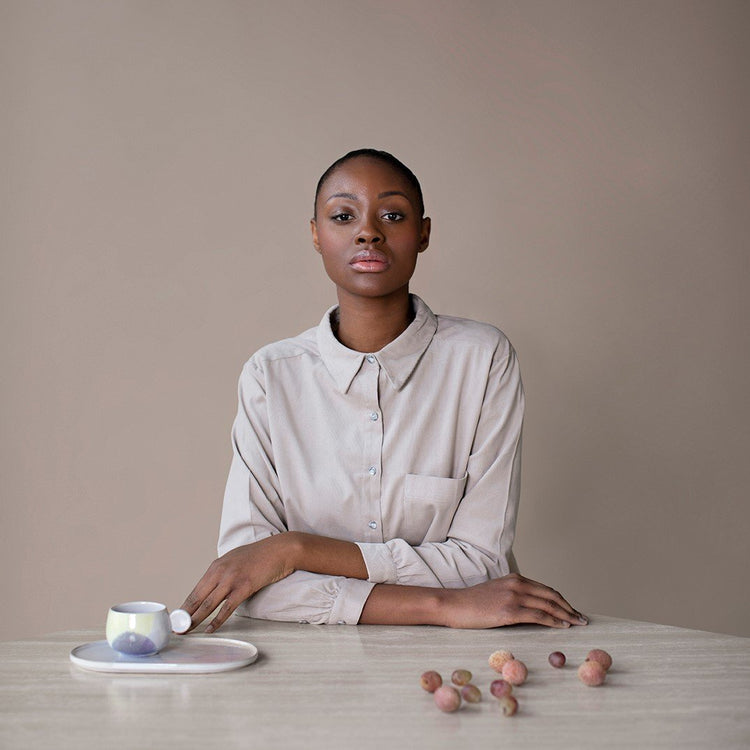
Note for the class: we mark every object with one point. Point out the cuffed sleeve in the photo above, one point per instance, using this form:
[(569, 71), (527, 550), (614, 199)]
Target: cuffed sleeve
[(312, 598), (381, 566)]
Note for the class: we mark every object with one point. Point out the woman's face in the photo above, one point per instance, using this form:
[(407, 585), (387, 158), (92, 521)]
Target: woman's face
[(368, 229)]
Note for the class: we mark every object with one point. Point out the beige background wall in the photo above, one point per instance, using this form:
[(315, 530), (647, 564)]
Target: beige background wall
[(586, 168)]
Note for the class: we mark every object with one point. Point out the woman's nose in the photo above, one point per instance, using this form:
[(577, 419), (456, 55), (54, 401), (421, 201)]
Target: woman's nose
[(369, 234), (369, 237)]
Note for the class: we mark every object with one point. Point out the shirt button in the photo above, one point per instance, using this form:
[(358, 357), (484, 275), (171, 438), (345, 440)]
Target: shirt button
[(374, 416), (373, 471), (372, 525), (370, 358)]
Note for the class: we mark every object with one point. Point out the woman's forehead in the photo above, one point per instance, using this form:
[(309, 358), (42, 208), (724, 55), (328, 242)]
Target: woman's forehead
[(366, 174)]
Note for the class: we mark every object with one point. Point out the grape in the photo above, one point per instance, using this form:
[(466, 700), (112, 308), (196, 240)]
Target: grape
[(461, 677), (431, 681), (471, 693), (499, 688), (508, 705), (447, 698), (592, 673), (596, 654), (557, 659), (515, 672), (498, 658)]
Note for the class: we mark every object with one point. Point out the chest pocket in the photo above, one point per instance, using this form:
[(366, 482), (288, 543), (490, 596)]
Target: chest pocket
[(429, 506)]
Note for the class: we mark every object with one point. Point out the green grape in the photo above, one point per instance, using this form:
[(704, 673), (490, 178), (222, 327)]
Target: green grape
[(471, 693), (461, 677)]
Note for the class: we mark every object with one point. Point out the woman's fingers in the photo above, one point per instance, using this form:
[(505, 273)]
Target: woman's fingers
[(540, 617), (547, 592), (196, 597), (555, 603), (536, 605), (201, 602), (223, 614)]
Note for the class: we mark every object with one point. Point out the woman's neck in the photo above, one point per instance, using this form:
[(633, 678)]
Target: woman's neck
[(368, 325)]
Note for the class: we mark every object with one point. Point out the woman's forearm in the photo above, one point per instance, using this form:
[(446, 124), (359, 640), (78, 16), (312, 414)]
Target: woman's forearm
[(391, 604), (320, 554)]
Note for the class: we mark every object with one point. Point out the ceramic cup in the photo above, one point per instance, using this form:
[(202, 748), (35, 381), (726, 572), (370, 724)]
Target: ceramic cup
[(138, 628)]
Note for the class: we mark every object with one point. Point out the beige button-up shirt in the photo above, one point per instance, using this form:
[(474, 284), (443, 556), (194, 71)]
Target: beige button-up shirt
[(412, 452)]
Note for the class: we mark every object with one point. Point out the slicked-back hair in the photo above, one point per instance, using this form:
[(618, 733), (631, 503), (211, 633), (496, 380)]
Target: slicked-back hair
[(382, 156)]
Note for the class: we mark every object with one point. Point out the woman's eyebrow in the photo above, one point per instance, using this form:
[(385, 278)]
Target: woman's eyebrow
[(352, 197), (349, 196), (388, 193)]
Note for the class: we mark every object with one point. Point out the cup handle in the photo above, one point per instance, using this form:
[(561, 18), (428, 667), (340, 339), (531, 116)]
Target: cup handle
[(180, 621)]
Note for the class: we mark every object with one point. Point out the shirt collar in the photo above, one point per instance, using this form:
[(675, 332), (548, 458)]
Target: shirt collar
[(398, 359)]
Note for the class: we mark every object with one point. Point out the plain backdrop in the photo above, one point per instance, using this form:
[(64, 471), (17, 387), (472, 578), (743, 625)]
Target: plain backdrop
[(585, 165)]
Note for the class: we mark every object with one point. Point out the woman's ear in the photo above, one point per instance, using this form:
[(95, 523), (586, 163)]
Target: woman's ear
[(424, 236), (314, 230)]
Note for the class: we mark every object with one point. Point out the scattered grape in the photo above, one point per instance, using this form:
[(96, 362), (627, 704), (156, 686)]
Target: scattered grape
[(499, 688), (601, 656), (557, 659), (592, 673), (461, 677), (515, 672), (508, 705), (447, 698), (498, 658), (471, 693), (431, 681)]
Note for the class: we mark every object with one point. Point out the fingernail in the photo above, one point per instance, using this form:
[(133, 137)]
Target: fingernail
[(210, 629), (583, 620)]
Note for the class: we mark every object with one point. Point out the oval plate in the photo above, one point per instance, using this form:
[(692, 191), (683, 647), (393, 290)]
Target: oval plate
[(185, 655)]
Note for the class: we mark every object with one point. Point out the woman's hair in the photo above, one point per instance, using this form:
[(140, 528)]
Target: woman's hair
[(382, 156)]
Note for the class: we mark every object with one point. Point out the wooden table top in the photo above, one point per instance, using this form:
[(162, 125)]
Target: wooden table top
[(358, 686)]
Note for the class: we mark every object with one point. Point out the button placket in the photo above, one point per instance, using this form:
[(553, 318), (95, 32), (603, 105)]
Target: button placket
[(373, 452)]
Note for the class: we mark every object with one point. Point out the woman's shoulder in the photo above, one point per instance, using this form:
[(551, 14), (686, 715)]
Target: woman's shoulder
[(464, 332), (303, 344)]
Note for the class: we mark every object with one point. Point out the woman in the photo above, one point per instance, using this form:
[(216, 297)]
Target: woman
[(376, 467)]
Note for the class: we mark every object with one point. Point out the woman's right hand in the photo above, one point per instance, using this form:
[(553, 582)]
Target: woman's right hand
[(237, 575), (509, 600)]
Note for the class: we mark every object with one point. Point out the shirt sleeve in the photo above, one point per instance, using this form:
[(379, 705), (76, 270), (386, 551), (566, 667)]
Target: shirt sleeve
[(479, 543), (253, 509)]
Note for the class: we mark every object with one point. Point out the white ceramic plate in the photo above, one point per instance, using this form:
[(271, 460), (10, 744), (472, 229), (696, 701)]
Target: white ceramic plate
[(186, 654)]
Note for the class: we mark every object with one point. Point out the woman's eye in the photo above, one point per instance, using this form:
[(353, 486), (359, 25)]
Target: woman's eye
[(393, 216), (341, 217)]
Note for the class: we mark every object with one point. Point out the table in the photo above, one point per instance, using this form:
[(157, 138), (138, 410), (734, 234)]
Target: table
[(358, 686)]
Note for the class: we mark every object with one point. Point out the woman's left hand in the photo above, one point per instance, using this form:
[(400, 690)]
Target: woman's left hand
[(237, 575)]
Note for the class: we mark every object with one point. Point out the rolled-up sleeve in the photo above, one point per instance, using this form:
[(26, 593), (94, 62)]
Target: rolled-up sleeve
[(311, 598), (478, 545), (253, 509)]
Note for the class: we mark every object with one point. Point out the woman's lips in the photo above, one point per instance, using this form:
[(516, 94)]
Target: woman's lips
[(370, 261)]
